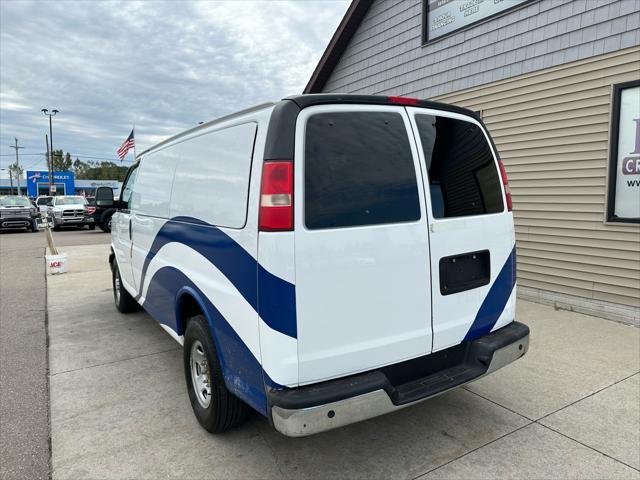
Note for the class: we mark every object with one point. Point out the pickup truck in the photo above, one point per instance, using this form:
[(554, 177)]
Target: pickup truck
[(18, 212), (70, 211)]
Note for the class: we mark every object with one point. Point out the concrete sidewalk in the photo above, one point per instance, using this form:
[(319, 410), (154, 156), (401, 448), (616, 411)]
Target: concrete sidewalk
[(119, 408)]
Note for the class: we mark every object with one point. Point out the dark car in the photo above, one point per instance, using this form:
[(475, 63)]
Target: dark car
[(101, 215), (18, 212)]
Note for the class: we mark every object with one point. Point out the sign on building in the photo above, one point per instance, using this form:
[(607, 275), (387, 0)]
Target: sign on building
[(446, 16), (624, 152)]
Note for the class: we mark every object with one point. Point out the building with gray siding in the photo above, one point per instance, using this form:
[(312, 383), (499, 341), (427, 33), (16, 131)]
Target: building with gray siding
[(558, 86)]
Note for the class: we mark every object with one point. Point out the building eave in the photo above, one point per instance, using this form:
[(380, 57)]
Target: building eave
[(338, 44)]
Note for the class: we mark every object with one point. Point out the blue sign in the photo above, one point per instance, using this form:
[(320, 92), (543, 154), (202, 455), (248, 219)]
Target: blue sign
[(38, 183)]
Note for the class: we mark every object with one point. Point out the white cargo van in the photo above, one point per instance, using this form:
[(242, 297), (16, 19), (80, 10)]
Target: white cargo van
[(323, 260)]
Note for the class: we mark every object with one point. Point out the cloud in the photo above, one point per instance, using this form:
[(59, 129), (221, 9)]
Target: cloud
[(163, 65)]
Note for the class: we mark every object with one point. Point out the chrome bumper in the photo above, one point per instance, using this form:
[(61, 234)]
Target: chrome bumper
[(319, 418)]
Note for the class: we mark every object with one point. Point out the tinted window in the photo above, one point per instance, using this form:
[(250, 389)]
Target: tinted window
[(358, 170), (463, 177)]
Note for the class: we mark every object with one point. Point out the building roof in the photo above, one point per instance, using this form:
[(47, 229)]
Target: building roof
[(338, 44)]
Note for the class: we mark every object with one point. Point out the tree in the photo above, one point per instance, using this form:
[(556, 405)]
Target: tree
[(15, 171), (61, 162), (99, 170)]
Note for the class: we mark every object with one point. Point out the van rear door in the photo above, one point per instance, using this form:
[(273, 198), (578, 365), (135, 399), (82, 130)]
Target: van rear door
[(472, 239), (361, 241)]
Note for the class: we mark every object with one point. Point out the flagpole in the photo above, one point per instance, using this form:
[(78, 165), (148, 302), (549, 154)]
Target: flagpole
[(135, 155)]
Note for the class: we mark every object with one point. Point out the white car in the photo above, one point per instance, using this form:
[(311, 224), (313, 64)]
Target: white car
[(69, 211), (42, 204), (323, 260)]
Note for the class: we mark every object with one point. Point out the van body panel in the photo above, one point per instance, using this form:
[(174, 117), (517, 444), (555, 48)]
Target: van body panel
[(362, 293), (276, 257), (468, 314)]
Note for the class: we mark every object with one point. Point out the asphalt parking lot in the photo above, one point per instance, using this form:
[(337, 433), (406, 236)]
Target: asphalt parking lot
[(24, 395), (119, 408)]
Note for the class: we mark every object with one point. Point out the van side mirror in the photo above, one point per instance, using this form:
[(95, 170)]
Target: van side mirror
[(104, 197)]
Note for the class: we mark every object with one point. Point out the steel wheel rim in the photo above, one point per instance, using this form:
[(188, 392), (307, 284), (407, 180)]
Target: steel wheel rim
[(200, 374), (109, 223), (116, 287)]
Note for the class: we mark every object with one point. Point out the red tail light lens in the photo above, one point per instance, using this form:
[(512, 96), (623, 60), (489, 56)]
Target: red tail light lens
[(404, 100), (91, 210), (505, 182), (276, 196)]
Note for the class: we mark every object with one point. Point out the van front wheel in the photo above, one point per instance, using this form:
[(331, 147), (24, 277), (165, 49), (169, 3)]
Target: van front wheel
[(215, 407), (125, 303)]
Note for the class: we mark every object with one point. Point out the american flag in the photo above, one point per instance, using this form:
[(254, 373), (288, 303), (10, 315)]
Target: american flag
[(127, 145)]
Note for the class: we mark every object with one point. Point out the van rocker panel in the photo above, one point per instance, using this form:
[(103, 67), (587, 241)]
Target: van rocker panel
[(307, 410)]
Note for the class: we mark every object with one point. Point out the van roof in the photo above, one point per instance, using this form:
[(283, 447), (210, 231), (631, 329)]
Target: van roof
[(204, 125), (280, 143), (286, 111)]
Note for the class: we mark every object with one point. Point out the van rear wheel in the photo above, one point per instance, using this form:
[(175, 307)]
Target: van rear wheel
[(215, 407)]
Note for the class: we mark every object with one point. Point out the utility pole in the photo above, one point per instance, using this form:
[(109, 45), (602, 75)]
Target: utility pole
[(17, 165)]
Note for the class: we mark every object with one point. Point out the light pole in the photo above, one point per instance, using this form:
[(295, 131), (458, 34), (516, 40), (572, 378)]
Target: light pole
[(52, 114)]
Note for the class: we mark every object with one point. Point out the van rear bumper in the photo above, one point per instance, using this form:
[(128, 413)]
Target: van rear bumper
[(298, 412)]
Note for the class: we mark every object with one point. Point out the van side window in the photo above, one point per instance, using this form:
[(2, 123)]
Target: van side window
[(127, 190), (358, 170), (463, 176)]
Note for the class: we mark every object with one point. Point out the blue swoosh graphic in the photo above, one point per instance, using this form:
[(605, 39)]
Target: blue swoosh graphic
[(276, 305), (495, 301)]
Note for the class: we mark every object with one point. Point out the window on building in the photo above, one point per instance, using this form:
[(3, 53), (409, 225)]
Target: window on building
[(624, 151)]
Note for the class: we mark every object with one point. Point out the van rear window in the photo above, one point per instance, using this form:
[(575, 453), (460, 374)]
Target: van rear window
[(463, 176), (358, 170)]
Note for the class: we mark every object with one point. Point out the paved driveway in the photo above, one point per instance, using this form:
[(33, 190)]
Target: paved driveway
[(119, 409)]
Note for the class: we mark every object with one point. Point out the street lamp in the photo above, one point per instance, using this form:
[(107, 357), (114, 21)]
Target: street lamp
[(52, 114)]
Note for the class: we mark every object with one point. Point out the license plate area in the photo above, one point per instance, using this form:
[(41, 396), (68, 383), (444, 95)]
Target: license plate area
[(465, 271)]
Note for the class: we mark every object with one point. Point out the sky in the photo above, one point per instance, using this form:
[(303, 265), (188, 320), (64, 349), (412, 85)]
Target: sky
[(161, 65)]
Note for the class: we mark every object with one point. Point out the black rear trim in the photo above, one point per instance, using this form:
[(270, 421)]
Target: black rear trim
[(408, 381), (280, 142)]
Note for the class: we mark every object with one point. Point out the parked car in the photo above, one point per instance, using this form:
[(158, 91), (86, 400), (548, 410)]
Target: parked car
[(69, 211), (101, 214), (335, 258), (18, 212), (42, 203)]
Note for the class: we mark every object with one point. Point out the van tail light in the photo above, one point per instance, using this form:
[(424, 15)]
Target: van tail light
[(505, 182), (276, 196), (91, 210)]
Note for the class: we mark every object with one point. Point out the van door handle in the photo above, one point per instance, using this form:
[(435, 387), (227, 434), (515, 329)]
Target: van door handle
[(130, 228)]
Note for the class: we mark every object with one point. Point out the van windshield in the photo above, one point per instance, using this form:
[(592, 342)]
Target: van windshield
[(463, 176)]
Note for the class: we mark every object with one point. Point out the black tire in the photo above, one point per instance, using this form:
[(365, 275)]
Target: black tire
[(224, 410), (125, 303), (34, 226), (105, 220), (92, 226)]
